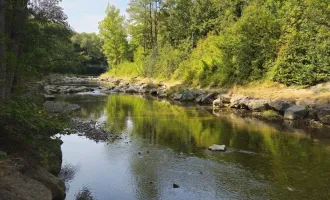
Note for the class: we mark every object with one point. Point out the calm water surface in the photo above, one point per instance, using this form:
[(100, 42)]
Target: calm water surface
[(167, 144)]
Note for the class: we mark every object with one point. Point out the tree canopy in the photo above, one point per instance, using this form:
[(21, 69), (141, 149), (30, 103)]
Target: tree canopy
[(219, 42)]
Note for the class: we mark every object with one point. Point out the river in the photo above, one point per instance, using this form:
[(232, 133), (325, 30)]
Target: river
[(166, 144)]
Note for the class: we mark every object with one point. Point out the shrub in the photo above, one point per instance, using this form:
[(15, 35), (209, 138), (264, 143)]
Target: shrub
[(24, 118)]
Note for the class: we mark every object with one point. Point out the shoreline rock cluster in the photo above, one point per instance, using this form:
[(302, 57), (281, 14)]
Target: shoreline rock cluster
[(288, 110)]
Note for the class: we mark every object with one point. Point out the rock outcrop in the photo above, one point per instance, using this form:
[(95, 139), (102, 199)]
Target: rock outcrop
[(296, 112), (26, 180)]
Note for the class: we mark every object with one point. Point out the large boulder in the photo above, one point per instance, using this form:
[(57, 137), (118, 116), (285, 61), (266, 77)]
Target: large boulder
[(296, 112), (207, 99), (22, 180), (280, 106), (188, 96), (177, 97), (324, 115), (321, 113), (239, 102), (258, 105), (221, 101)]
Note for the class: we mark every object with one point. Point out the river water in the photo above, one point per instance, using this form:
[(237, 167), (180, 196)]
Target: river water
[(166, 144)]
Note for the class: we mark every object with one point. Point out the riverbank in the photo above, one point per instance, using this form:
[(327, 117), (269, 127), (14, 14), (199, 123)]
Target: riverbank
[(30, 155), (30, 173), (272, 101)]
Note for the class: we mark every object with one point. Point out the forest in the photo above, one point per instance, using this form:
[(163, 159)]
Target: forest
[(204, 43), (165, 79), (220, 42)]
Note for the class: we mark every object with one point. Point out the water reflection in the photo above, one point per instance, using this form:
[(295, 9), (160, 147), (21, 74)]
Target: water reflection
[(264, 160), (84, 194)]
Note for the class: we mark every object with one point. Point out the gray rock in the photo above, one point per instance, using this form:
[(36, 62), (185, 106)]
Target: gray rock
[(60, 106), (258, 105), (221, 101), (132, 89), (198, 99), (239, 102), (49, 97), (188, 96), (295, 112), (115, 90), (208, 99), (51, 89), (177, 97), (162, 94), (54, 89), (216, 147), (321, 113), (280, 106), (324, 115)]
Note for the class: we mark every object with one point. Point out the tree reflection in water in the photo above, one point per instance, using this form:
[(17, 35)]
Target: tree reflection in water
[(84, 194)]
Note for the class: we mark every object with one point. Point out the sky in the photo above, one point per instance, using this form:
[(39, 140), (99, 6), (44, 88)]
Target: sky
[(84, 15)]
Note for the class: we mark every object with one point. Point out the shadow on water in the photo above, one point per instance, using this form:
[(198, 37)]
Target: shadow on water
[(166, 144)]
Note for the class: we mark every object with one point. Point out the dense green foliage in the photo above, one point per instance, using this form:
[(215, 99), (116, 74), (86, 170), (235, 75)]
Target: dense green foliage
[(113, 32), (35, 40), (90, 45), (219, 42), (33, 120)]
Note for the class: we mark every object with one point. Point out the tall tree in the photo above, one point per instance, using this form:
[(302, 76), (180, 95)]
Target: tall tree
[(112, 30), (13, 17)]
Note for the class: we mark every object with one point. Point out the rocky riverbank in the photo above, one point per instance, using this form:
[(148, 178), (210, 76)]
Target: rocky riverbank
[(29, 175), (283, 108)]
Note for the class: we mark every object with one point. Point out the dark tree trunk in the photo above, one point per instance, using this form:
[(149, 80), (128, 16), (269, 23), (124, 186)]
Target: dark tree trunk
[(3, 67), (18, 21)]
